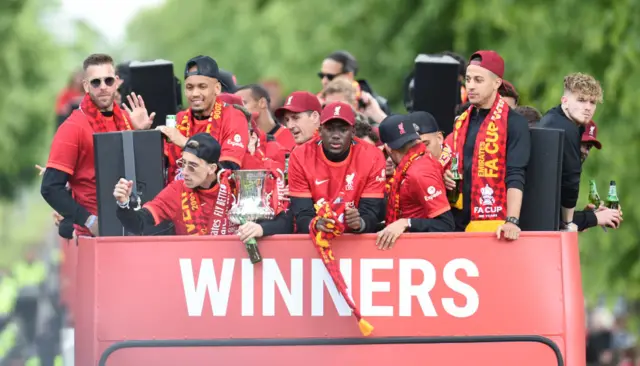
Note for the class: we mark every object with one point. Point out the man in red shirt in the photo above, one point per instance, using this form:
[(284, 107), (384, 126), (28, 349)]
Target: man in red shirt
[(257, 100), (301, 115), (336, 162), (206, 113), (432, 137), (416, 195), (71, 159), (199, 204)]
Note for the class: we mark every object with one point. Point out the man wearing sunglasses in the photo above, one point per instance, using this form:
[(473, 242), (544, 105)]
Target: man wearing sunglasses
[(71, 159), (342, 64), (199, 204), (206, 113)]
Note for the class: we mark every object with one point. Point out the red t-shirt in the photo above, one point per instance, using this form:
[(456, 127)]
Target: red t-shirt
[(422, 192), (233, 136), (72, 153), (167, 206), (360, 175)]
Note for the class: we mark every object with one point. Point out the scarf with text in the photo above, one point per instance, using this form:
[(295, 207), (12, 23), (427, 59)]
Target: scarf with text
[(393, 184), (185, 127), (322, 242), (98, 121), (194, 217), (488, 171)]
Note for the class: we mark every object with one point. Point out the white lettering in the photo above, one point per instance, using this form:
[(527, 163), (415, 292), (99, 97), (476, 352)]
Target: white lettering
[(320, 278), (247, 287), (272, 277), (368, 287), (450, 279), (407, 290), (207, 283)]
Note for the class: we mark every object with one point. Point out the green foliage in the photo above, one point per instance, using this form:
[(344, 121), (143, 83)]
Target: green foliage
[(541, 41), (28, 59)]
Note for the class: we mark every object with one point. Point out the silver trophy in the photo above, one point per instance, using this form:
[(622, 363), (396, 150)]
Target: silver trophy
[(252, 203)]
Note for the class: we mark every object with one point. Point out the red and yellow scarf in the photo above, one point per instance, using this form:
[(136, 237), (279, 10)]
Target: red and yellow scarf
[(322, 242), (393, 184), (98, 121), (185, 127), (488, 189), (195, 219)]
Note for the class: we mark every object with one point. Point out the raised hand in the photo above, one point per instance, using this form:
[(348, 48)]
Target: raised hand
[(138, 112)]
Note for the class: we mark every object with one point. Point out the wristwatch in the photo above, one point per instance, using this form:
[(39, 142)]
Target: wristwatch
[(90, 221), (513, 220)]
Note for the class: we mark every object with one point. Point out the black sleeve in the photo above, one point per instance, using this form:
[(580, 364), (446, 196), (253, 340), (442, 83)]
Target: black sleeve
[(54, 191), (229, 165), (518, 150), (371, 210), (65, 229), (571, 170), (585, 219), (134, 221), (303, 213), (443, 223), (281, 224)]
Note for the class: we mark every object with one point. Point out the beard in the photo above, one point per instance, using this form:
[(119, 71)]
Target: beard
[(103, 101)]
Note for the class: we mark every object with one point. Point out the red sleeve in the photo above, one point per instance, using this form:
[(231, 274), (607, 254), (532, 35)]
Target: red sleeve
[(234, 136), (376, 178), (66, 147), (298, 184), (252, 161), (285, 138), (427, 187), (167, 203)]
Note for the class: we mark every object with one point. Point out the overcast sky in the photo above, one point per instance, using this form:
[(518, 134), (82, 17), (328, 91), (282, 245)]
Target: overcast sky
[(110, 17)]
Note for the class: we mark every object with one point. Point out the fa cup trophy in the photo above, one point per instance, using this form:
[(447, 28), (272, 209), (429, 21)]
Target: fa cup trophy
[(253, 203)]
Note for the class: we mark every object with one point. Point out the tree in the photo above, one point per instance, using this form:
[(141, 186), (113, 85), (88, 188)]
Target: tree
[(541, 42), (28, 63)]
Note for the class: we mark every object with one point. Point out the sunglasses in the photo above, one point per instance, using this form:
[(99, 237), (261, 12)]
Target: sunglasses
[(189, 166), (108, 81), (328, 76)]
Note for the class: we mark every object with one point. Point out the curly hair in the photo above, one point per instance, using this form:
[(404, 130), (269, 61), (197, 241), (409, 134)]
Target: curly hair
[(583, 84)]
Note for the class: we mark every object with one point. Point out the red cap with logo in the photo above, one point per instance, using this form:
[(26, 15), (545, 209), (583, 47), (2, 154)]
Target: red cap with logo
[(590, 135), (489, 60), (338, 110), (299, 101)]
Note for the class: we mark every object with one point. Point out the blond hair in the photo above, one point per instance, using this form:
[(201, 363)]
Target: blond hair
[(341, 86), (583, 84)]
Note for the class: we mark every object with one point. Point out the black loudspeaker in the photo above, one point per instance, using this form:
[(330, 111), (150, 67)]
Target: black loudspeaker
[(541, 202), (436, 88), (134, 155), (156, 83)]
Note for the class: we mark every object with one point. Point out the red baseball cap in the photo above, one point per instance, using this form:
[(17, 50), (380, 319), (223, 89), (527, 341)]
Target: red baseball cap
[(299, 101), (489, 60), (590, 135), (231, 99), (338, 110)]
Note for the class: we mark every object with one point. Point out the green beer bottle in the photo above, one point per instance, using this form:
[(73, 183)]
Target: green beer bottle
[(594, 197), (452, 195), (612, 198)]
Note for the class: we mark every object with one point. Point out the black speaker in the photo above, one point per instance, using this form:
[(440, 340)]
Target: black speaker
[(134, 155), (156, 83), (541, 202), (436, 88)]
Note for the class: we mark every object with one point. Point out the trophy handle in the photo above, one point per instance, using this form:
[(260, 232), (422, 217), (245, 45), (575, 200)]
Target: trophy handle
[(220, 173), (234, 200), (281, 174)]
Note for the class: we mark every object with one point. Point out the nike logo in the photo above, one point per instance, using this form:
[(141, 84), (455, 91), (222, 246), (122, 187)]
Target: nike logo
[(319, 182)]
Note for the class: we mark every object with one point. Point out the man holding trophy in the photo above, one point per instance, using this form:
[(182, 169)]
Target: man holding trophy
[(210, 200)]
